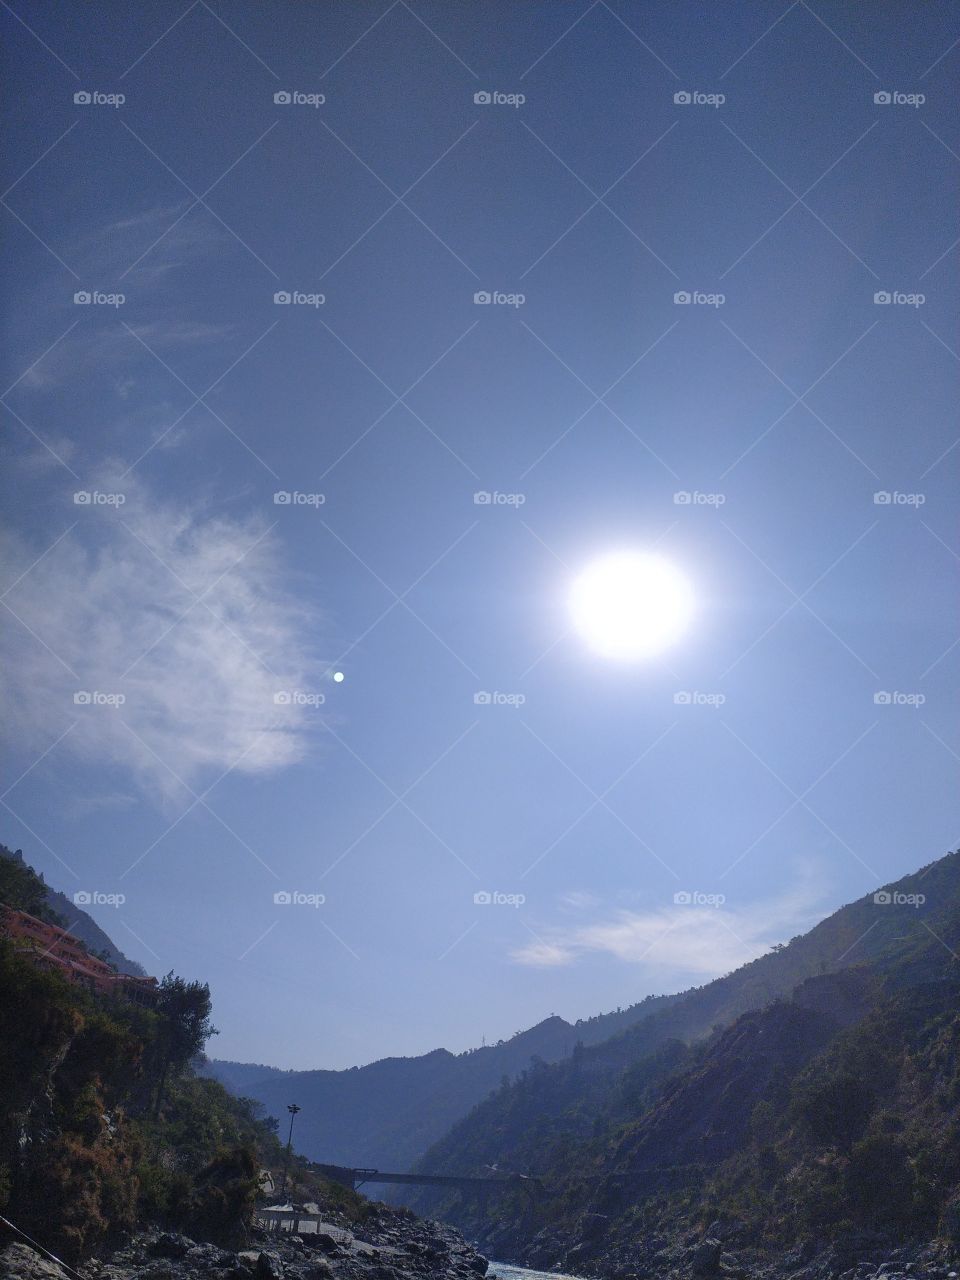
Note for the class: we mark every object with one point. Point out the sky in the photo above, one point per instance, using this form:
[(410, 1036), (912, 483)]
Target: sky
[(340, 339)]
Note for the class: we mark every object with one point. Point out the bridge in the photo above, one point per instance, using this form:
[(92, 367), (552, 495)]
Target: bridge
[(354, 1178)]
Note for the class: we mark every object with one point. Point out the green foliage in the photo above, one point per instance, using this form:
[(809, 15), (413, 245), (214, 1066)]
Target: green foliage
[(22, 888), (104, 1119), (827, 1111), (222, 1197)]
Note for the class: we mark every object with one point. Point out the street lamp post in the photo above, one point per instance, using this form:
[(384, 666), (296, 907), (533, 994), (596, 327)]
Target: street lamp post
[(293, 1109)]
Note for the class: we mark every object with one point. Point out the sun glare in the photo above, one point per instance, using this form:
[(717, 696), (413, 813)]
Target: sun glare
[(631, 605)]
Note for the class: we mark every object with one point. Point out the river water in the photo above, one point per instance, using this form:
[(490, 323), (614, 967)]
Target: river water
[(506, 1272)]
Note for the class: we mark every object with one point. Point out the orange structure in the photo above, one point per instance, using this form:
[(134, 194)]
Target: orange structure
[(51, 947)]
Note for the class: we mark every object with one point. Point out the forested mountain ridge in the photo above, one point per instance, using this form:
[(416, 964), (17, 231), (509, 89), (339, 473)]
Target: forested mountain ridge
[(387, 1114), (798, 1119), (398, 1111)]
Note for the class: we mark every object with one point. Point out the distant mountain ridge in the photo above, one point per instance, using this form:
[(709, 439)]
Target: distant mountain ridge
[(399, 1113), (386, 1114)]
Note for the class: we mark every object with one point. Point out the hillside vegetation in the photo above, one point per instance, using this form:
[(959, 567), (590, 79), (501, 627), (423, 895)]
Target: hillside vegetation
[(105, 1126), (812, 1094)]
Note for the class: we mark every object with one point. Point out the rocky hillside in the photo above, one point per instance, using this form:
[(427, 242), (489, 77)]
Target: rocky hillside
[(386, 1245)]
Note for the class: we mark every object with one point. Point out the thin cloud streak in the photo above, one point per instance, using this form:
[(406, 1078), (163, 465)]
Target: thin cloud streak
[(695, 939)]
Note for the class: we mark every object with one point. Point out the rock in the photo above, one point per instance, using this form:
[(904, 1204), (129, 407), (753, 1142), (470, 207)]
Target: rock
[(704, 1258), (592, 1225), (169, 1245), (20, 1262), (269, 1266)]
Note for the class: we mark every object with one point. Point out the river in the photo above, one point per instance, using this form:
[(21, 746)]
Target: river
[(506, 1272)]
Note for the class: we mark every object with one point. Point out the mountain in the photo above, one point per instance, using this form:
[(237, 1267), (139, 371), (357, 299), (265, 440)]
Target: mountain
[(50, 904), (386, 1114), (389, 1114), (829, 1110)]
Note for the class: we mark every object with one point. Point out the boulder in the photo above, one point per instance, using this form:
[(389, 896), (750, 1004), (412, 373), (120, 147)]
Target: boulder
[(169, 1245), (704, 1258), (269, 1266)]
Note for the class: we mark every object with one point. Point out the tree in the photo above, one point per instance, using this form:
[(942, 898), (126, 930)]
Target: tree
[(185, 1027), (22, 888)]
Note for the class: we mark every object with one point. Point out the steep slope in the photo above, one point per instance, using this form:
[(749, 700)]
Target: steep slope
[(59, 909), (534, 1124), (789, 1131)]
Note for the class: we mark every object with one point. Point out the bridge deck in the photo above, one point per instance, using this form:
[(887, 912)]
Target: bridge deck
[(357, 1177)]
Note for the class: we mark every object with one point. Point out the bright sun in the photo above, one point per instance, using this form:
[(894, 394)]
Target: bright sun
[(631, 605)]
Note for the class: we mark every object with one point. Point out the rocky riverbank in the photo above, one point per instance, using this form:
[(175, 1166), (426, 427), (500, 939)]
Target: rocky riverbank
[(390, 1245), (726, 1252)]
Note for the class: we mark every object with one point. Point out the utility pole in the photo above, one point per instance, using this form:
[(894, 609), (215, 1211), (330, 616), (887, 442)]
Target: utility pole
[(293, 1109)]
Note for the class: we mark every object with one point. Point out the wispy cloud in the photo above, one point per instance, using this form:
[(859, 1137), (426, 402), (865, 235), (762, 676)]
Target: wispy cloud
[(138, 256), (158, 240), (184, 614), (685, 938), (108, 347)]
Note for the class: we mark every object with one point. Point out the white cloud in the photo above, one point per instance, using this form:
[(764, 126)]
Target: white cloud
[(700, 941), (184, 613)]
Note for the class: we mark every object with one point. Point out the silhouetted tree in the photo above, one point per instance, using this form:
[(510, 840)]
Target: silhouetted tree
[(185, 1027)]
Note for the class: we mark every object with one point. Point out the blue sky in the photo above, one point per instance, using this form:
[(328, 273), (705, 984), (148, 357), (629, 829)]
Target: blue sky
[(752, 762)]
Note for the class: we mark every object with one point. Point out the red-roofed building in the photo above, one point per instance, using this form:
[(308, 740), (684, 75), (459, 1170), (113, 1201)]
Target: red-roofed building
[(51, 947)]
